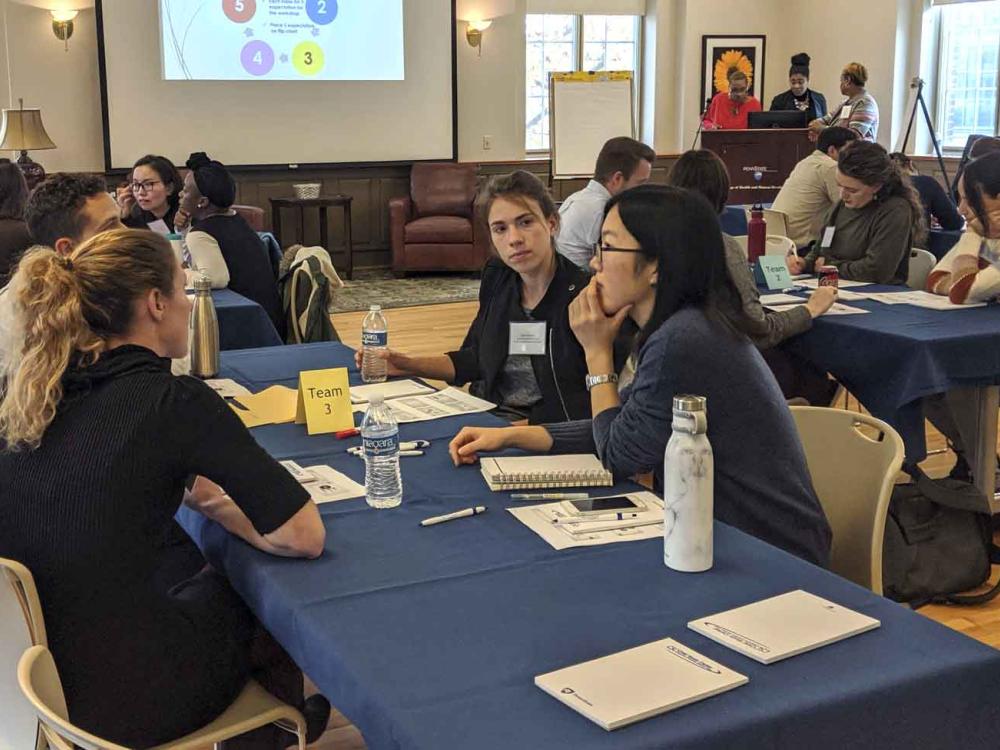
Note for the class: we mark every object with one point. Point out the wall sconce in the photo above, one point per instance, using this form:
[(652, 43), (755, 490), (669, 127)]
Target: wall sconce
[(62, 25), (474, 33)]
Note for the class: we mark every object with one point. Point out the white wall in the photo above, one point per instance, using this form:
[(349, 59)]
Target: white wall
[(63, 84), (886, 38)]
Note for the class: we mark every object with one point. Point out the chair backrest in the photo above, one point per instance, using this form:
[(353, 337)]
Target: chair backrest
[(921, 264), (778, 245), (443, 189), (777, 222), (40, 684), (853, 460), (21, 626), (253, 215)]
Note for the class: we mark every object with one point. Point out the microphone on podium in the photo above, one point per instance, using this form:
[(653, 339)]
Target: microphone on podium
[(701, 121)]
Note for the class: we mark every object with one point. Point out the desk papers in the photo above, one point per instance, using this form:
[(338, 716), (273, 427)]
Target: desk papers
[(787, 625), (538, 518), (389, 389), (620, 689), (449, 402)]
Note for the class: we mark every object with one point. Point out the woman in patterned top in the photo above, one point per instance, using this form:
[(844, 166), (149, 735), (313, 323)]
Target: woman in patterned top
[(859, 111)]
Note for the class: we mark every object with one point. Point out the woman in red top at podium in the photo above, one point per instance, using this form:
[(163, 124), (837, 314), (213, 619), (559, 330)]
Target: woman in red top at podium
[(729, 109)]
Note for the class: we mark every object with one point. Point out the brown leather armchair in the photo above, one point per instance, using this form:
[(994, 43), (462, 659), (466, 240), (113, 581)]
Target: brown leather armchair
[(434, 228), (254, 216)]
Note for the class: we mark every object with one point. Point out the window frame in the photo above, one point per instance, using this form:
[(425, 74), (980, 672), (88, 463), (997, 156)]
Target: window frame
[(578, 45), (937, 94)]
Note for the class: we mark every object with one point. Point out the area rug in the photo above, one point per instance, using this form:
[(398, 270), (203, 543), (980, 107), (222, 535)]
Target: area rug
[(379, 287)]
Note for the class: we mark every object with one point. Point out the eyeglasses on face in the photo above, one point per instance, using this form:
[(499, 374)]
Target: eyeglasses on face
[(145, 186), (600, 249)]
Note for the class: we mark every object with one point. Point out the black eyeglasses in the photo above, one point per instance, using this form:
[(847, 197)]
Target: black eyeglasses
[(600, 249)]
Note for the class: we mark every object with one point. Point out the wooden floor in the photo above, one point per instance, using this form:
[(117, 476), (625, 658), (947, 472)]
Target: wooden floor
[(435, 329)]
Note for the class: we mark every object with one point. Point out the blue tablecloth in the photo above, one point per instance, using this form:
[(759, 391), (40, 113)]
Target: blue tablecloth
[(430, 637), (897, 354), (243, 324)]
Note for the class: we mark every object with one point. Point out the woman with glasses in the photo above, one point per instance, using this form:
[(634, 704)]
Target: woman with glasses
[(731, 109), (519, 352), (858, 112), (662, 264), (151, 198)]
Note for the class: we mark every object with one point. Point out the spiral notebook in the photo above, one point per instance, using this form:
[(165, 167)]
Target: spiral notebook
[(537, 472)]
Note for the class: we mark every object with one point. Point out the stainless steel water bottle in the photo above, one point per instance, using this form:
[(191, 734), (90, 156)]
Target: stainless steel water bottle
[(204, 331)]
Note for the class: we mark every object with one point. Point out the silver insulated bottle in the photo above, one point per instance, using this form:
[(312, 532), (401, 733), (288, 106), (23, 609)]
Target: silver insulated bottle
[(204, 331)]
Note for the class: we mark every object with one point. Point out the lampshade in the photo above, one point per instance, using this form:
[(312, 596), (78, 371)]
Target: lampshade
[(22, 130)]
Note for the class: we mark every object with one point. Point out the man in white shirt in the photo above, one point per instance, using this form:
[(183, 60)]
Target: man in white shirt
[(811, 189), (623, 163)]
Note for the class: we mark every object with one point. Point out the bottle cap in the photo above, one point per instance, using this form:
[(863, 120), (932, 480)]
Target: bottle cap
[(374, 308), (202, 283), (376, 398), (687, 402)]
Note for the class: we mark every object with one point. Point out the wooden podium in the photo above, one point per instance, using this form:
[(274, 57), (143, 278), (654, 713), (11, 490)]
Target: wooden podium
[(773, 152)]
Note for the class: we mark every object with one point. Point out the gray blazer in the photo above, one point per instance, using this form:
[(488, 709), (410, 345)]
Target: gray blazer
[(769, 328)]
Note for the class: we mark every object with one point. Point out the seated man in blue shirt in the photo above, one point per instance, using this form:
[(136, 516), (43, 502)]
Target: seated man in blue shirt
[(623, 163)]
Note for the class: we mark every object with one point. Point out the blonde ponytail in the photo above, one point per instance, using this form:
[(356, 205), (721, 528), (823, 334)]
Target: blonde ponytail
[(64, 309)]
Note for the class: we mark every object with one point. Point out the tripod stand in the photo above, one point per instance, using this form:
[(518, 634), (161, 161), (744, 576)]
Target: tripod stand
[(918, 84)]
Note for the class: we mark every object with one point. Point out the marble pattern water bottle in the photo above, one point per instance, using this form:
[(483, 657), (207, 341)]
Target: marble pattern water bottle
[(688, 489)]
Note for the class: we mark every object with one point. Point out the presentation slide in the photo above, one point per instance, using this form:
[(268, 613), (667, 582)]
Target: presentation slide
[(282, 40)]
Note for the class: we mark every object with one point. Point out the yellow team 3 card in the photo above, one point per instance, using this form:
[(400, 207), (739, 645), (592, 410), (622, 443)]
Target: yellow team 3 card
[(324, 401)]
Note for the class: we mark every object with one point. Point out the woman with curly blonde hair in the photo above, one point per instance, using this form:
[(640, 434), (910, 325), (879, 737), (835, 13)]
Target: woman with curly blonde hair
[(97, 441)]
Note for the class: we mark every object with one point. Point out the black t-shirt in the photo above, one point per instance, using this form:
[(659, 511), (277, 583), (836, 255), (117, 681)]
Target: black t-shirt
[(90, 512), (250, 271)]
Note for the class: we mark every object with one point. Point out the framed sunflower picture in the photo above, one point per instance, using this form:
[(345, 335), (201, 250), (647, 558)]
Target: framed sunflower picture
[(722, 55)]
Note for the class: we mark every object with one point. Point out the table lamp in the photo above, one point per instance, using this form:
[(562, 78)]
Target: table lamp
[(22, 130)]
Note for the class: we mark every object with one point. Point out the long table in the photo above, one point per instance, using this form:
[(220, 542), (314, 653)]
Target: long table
[(897, 354), (429, 638), (243, 324)]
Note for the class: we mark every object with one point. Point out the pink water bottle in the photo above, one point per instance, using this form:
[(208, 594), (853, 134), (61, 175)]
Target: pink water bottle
[(756, 229)]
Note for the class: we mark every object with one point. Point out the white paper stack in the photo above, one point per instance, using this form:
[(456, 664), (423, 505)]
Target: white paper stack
[(644, 681), (787, 625)]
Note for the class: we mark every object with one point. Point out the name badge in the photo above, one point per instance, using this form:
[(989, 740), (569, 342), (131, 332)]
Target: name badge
[(845, 112), (527, 338), (827, 237)]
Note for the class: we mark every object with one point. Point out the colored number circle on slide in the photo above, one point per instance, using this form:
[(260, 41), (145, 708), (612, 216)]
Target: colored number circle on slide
[(239, 11), (307, 57), (257, 58), (321, 12)]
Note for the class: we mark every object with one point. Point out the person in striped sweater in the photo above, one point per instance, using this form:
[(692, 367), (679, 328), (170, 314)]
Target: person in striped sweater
[(970, 272), (858, 112)]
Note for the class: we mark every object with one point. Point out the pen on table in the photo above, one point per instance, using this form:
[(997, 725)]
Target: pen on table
[(551, 496), (354, 431), (562, 521), (628, 527), (465, 513)]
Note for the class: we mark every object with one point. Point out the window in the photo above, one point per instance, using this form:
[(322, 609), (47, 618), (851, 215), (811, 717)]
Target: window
[(566, 43), (967, 71)]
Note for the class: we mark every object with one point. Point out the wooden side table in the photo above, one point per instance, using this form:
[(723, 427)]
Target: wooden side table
[(322, 203)]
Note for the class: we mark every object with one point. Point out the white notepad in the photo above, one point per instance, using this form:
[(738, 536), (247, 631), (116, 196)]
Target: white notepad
[(787, 625), (389, 389), (644, 681), (534, 472)]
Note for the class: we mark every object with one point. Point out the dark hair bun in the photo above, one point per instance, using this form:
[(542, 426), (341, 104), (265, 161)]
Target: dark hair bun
[(801, 59), (197, 160)]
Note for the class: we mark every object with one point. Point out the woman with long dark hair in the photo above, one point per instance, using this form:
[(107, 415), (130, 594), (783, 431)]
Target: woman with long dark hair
[(870, 231), (152, 195), (526, 282), (661, 263)]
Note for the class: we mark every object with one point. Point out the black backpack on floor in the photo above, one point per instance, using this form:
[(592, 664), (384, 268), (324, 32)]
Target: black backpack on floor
[(938, 542)]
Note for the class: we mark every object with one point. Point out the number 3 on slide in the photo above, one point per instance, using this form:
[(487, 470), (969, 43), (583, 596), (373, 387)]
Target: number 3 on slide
[(307, 57)]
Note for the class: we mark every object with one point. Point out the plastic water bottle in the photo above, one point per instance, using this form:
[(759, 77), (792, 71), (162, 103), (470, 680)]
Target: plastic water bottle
[(688, 489), (374, 339), (380, 439)]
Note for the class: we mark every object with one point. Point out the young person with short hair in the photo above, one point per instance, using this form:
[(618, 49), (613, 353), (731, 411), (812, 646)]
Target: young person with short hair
[(622, 163), (97, 443), (661, 263), (529, 283)]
